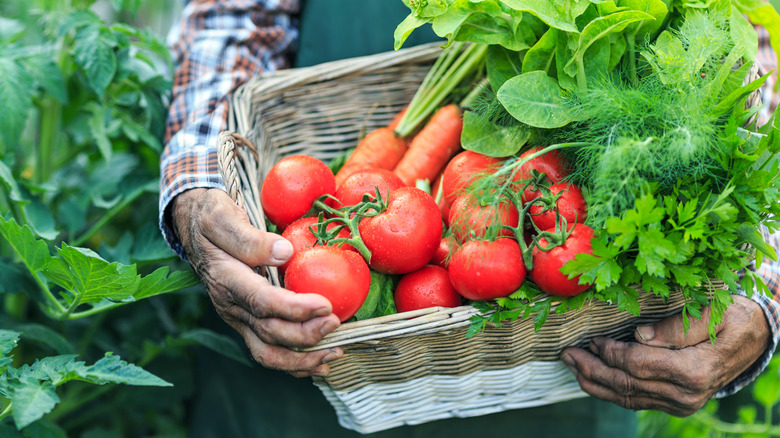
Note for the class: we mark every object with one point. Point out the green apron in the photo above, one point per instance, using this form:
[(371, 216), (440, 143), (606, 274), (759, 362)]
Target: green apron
[(238, 401)]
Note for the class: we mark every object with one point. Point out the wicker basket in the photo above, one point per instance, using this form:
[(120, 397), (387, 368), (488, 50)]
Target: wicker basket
[(413, 367)]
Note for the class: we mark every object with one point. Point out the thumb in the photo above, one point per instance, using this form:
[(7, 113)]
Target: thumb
[(226, 226), (670, 333)]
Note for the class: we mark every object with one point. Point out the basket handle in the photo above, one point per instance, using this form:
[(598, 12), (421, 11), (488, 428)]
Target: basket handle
[(229, 146)]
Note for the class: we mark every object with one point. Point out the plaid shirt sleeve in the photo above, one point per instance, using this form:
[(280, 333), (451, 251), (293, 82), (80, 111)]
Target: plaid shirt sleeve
[(217, 46)]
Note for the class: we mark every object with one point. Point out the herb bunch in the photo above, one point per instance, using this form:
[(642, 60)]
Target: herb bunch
[(647, 99)]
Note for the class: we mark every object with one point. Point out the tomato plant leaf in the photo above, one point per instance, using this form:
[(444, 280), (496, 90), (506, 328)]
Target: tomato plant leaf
[(42, 429), (14, 278), (97, 127), (216, 342), (15, 99), (32, 399), (90, 278), (536, 100), (149, 245), (45, 336), (8, 341), (111, 369), (48, 76), (136, 131), (94, 53), (11, 186), (161, 281), (34, 253)]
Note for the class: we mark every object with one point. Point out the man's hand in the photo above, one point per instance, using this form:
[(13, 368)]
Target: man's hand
[(668, 370), (223, 247)]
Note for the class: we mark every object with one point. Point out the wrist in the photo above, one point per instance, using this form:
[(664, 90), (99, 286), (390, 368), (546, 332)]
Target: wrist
[(182, 206)]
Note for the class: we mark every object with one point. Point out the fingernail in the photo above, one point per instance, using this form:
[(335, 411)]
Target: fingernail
[(325, 311), (281, 251), (322, 371), (646, 332), (327, 327), (330, 357), (569, 361)]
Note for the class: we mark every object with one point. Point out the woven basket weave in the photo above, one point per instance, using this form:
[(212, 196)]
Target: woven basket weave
[(412, 367)]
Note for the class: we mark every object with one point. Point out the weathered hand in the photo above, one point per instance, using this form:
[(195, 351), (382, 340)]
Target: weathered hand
[(222, 247), (667, 370)]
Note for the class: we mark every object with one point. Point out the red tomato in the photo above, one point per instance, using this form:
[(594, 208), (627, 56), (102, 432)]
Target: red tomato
[(571, 206), (351, 191), (467, 216), (404, 237), (441, 257), (339, 275), (426, 287), (552, 164), (465, 168), (547, 264), (301, 237), (291, 187), (485, 270)]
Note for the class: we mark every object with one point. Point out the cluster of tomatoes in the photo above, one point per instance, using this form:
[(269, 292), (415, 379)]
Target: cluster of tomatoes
[(453, 243)]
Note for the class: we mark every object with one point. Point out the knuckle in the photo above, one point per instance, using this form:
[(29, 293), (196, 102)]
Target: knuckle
[(624, 385), (697, 380), (255, 303)]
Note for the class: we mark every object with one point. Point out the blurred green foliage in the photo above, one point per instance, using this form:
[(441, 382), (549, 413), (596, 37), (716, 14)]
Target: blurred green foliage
[(91, 297), (754, 412)]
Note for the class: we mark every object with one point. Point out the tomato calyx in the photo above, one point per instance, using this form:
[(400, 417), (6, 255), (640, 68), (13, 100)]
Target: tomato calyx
[(348, 217)]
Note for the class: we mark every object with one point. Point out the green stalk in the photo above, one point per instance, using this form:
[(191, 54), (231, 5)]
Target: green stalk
[(46, 291), (632, 59), (51, 117), (738, 429), (109, 215), (517, 164), (446, 74), (582, 80), (95, 310)]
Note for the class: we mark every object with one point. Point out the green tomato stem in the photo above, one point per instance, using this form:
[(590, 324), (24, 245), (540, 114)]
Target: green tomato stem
[(350, 219), (108, 216)]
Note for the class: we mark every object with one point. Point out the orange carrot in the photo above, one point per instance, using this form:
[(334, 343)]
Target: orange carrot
[(431, 149), (397, 119), (380, 148)]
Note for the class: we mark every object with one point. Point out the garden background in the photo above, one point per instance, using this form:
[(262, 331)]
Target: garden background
[(99, 320)]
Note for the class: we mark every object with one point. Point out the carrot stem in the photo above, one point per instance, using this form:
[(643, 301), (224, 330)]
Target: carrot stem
[(449, 70)]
